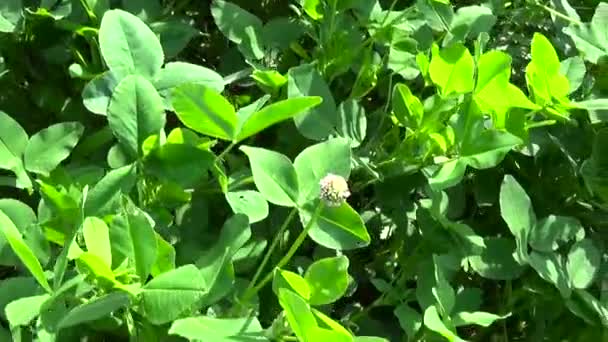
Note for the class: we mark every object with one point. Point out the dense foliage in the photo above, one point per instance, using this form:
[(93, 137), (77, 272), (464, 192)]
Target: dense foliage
[(303, 170)]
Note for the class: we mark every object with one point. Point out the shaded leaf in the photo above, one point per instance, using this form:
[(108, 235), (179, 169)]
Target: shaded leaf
[(135, 113), (49, 147), (328, 280), (274, 175)]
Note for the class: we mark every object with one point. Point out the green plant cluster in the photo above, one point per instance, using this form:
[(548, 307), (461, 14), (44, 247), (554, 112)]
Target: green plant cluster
[(303, 170)]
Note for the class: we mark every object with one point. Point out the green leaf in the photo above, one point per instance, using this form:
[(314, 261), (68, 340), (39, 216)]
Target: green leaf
[(233, 21), (274, 113), (367, 77), (97, 93), (49, 147), (280, 32), (369, 339), (583, 304), (97, 238), (216, 264), (22, 311), (25, 254), (448, 175), (175, 33), (493, 91), (300, 317), (218, 273), (145, 9), (545, 82), (562, 6), (313, 8), (323, 334), (10, 15), (271, 81), (442, 290), (135, 112), (550, 231), (584, 262), (13, 143), (496, 261), (328, 280), (98, 7), (175, 74), (171, 294), (326, 323), (494, 69), (165, 257), (14, 288), (274, 175), (595, 168), (352, 122), (402, 58), (468, 299), (437, 14), (433, 322), (106, 192), (596, 107), (25, 220), (89, 263), (452, 69), (591, 39), (245, 112), (484, 319), (133, 237), (94, 309), (317, 161), (318, 122), (574, 69), (516, 210), (409, 319), (469, 22), (248, 202), (206, 111), (291, 281), (234, 234), (336, 227), (481, 151), (182, 164), (127, 43), (551, 268), (218, 329), (407, 107)]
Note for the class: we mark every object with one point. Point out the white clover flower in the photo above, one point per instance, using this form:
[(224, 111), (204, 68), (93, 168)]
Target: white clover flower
[(334, 190)]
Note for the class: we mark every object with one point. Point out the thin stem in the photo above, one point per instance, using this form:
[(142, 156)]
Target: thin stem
[(224, 152), (294, 247), (273, 245), (559, 14), (541, 124), (90, 13)]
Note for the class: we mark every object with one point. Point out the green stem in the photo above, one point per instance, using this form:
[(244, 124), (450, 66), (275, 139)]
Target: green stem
[(292, 250), (559, 14), (541, 124), (247, 294), (224, 152), (90, 13)]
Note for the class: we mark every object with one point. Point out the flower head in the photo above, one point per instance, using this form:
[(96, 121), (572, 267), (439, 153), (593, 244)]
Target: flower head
[(334, 190)]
